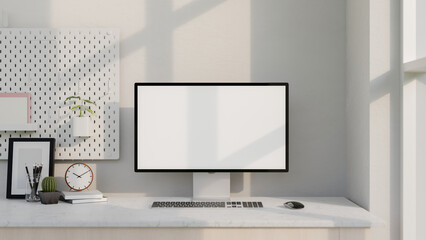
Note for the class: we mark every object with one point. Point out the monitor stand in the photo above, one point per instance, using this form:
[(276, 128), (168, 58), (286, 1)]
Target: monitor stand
[(211, 186)]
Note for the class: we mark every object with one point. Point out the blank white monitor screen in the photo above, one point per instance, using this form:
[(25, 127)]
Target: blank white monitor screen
[(211, 127)]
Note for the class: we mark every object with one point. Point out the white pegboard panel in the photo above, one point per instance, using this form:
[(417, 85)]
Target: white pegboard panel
[(53, 64)]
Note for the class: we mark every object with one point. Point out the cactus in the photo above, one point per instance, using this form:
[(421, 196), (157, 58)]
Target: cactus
[(49, 184)]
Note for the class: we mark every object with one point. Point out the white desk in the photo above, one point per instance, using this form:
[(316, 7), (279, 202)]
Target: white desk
[(130, 217)]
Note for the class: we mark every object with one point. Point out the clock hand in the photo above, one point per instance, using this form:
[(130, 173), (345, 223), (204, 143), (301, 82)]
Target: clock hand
[(85, 173), (78, 176)]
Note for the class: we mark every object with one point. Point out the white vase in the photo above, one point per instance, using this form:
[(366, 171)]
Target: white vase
[(81, 127)]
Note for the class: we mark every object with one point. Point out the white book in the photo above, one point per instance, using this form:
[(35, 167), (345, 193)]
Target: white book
[(71, 195), (94, 200)]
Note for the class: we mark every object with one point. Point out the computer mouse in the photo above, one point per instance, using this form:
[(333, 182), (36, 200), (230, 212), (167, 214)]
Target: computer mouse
[(294, 205)]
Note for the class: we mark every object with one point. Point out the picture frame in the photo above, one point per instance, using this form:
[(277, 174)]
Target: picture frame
[(17, 107), (27, 152)]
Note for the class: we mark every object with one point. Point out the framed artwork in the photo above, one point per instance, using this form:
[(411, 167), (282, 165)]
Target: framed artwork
[(27, 152), (16, 106)]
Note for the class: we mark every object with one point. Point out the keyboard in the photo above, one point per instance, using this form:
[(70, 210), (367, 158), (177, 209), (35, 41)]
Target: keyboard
[(188, 204)]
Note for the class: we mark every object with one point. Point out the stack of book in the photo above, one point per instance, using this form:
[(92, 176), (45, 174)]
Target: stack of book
[(93, 196)]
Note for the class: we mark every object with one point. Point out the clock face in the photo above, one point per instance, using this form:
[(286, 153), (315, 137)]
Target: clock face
[(79, 176)]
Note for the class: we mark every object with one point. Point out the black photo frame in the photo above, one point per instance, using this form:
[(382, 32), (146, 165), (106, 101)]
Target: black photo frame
[(27, 151)]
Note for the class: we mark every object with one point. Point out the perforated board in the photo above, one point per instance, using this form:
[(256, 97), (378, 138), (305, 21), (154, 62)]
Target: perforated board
[(53, 64)]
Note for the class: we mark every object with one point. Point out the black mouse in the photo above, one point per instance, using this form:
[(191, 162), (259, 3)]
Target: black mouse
[(294, 205)]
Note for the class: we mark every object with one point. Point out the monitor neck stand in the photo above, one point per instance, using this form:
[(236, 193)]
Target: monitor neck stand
[(211, 186)]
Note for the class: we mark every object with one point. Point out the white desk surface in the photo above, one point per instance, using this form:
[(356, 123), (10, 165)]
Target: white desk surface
[(132, 210)]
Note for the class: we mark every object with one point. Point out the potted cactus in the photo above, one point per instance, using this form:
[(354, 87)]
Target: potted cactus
[(81, 124), (49, 195)]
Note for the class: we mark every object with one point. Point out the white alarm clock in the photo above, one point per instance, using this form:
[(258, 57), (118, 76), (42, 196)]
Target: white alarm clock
[(79, 176)]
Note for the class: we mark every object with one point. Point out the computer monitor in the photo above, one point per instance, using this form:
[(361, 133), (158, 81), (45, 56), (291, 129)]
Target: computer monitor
[(211, 127)]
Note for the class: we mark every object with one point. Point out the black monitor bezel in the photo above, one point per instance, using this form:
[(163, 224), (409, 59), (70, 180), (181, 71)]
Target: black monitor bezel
[(136, 85)]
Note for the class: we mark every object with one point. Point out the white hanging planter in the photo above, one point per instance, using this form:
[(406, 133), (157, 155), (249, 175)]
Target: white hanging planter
[(81, 127)]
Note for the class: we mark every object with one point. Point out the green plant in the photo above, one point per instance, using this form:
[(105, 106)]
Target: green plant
[(49, 184), (81, 106)]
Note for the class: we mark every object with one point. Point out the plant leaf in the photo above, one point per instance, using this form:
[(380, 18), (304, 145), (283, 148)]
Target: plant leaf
[(76, 107), (90, 111), (68, 98), (88, 101)]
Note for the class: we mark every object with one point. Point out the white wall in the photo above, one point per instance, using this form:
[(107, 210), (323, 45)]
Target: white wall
[(299, 41), (420, 164), (414, 193), (357, 101), (374, 111)]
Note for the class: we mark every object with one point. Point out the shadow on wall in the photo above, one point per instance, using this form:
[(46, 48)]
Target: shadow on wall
[(39, 10), (384, 116), (304, 43), (119, 176), (286, 37), (157, 36)]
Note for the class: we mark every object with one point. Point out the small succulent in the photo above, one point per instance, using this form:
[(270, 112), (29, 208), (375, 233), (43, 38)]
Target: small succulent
[(81, 105), (49, 184)]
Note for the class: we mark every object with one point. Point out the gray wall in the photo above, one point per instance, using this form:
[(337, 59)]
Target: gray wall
[(302, 42)]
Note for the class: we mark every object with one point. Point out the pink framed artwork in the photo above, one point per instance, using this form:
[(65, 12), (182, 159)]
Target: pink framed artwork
[(15, 108)]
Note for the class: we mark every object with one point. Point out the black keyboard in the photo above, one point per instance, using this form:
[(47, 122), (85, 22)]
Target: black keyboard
[(235, 204)]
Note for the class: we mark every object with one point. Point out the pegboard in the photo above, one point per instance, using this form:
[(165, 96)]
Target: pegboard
[(52, 64)]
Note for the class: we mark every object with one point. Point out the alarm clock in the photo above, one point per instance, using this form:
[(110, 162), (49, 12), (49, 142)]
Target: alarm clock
[(79, 176)]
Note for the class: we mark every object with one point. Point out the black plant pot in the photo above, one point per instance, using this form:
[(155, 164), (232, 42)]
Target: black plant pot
[(49, 197)]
